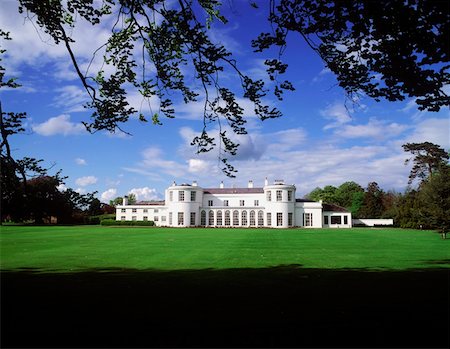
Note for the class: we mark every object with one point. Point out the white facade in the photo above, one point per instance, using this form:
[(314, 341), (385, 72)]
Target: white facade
[(273, 205)]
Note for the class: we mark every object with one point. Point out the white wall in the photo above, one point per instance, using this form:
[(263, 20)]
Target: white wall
[(151, 214), (370, 222), (337, 214)]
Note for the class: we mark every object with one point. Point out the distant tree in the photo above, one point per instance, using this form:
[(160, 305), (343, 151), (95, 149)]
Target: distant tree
[(372, 206), (345, 193), (427, 158), (95, 207), (131, 199), (434, 197), (407, 213), (107, 209), (327, 194), (117, 201), (357, 203)]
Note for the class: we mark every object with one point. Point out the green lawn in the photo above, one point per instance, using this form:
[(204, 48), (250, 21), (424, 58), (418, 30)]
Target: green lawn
[(77, 248)]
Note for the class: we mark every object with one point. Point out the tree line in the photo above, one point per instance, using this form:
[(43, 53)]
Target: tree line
[(425, 206)]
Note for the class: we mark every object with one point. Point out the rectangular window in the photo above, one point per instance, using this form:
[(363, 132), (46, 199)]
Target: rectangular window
[(290, 219), (279, 195), (193, 216), (145, 210), (269, 195), (325, 220), (170, 195), (134, 210), (345, 220), (134, 218), (123, 210), (145, 218), (227, 218), (170, 218), (156, 210), (225, 202), (336, 220), (163, 218), (219, 217), (289, 195), (193, 195), (256, 202), (156, 218), (279, 218), (181, 195), (269, 219), (180, 218), (307, 219), (122, 218), (241, 203), (210, 202)]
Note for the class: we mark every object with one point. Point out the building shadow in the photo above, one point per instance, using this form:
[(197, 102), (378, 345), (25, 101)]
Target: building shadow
[(283, 306)]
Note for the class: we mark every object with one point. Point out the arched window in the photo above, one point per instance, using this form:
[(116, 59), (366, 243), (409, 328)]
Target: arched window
[(252, 218), (260, 218), (211, 217), (244, 221), (203, 218), (227, 217), (235, 217), (219, 217)]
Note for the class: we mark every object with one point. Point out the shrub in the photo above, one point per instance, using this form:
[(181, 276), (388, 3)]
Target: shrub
[(127, 223)]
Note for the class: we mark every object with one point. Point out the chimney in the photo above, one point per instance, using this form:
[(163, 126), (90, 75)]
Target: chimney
[(250, 184), (125, 200), (194, 183), (266, 182), (221, 184), (174, 184)]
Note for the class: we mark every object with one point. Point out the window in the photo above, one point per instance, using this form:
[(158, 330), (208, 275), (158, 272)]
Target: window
[(192, 218), (122, 218), (210, 202), (269, 195), (219, 218), (260, 218), (225, 202), (156, 210), (134, 210), (289, 195), (336, 220), (290, 219), (211, 218), (244, 221), (170, 218), (227, 217), (156, 218), (256, 202), (345, 220), (252, 218), (307, 219), (123, 210), (203, 218), (279, 218), (241, 203), (325, 220), (145, 218), (180, 218), (269, 219), (235, 217), (193, 196), (181, 195), (170, 195), (279, 195), (145, 210), (163, 218), (134, 218)]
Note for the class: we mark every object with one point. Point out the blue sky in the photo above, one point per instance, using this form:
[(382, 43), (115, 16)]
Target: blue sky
[(316, 142)]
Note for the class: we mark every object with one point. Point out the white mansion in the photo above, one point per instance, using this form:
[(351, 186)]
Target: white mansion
[(272, 206)]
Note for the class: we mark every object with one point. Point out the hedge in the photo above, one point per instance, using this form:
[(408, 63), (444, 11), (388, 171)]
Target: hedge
[(127, 223)]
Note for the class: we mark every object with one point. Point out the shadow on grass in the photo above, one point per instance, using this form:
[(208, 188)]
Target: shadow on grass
[(285, 306)]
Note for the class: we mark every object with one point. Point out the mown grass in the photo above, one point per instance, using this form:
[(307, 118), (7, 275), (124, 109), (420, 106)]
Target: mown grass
[(78, 248)]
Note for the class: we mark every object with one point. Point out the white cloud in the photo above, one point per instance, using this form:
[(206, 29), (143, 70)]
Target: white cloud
[(374, 129), (80, 190), (337, 113), (198, 166), (85, 181), (80, 161), (71, 98), (432, 130), (108, 194), (62, 187), (145, 194), (58, 125)]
